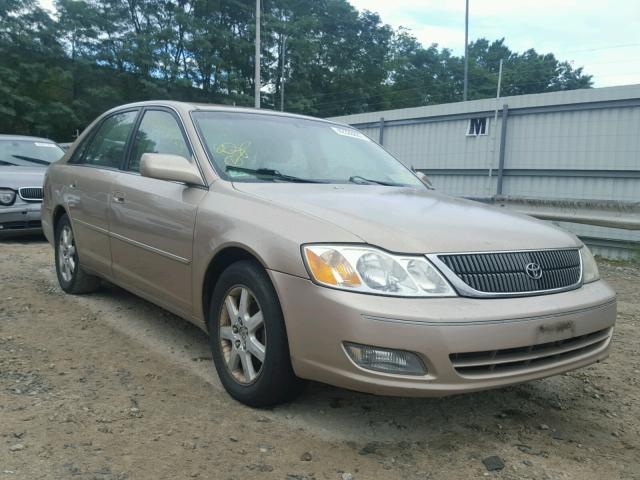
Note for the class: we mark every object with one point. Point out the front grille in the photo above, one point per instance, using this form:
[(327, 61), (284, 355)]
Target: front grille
[(30, 194), (506, 272), (516, 360)]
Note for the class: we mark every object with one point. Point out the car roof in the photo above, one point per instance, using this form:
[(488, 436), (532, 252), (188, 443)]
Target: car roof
[(24, 138), (186, 107)]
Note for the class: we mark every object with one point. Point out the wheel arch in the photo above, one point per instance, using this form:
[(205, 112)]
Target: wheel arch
[(224, 257), (58, 212)]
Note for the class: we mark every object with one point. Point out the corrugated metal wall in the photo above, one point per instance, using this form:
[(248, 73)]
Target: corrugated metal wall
[(444, 145), (579, 145)]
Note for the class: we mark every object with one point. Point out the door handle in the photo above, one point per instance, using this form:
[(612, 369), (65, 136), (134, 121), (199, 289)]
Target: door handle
[(118, 197)]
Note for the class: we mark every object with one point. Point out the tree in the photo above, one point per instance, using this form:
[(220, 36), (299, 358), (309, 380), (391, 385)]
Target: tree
[(33, 86), (58, 73)]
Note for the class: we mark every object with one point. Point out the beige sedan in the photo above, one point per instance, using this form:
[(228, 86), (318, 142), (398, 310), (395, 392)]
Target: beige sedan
[(308, 252)]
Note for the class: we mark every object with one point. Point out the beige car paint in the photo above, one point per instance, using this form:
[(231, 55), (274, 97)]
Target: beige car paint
[(170, 167), (165, 235), (409, 220), (319, 319), (86, 192), (152, 237)]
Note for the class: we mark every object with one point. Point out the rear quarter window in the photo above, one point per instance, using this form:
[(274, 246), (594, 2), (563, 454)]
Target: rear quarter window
[(107, 147)]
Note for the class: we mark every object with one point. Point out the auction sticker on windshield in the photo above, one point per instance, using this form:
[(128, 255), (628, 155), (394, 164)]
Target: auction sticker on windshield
[(347, 132)]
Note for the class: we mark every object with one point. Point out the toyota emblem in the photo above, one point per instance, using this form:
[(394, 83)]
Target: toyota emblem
[(533, 270)]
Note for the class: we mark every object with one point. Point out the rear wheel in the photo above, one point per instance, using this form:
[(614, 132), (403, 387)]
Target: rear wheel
[(248, 338), (71, 277)]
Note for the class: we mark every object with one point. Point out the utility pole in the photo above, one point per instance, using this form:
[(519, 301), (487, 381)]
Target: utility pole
[(495, 118), (466, 51), (499, 80), (494, 129), (284, 49), (256, 79)]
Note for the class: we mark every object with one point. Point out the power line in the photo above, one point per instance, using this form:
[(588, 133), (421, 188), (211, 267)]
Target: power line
[(521, 71), (609, 47), (370, 98)]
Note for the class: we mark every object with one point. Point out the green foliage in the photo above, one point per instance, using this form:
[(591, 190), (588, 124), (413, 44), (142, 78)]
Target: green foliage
[(58, 73)]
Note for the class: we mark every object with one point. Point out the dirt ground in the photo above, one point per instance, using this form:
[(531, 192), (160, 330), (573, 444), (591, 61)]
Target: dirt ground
[(108, 387)]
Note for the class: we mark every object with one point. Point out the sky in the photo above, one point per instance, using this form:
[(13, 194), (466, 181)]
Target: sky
[(601, 36)]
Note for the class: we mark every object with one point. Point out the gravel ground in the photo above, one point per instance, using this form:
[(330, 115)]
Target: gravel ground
[(108, 386)]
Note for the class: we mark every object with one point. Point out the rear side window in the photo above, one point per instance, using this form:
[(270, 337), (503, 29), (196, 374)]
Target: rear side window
[(159, 132), (107, 148)]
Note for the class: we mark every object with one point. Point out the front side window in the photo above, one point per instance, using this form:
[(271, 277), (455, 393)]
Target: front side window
[(107, 148), (159, 132), (28, 153), (249, 147)]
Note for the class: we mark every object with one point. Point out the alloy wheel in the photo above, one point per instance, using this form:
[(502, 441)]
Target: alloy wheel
[(243, 336), (67, 254)]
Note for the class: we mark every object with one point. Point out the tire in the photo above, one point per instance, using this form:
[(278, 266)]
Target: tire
[(245, 291), (71, 277)]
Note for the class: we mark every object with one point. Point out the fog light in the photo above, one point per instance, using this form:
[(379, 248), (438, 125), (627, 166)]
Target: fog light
[(385, 359)]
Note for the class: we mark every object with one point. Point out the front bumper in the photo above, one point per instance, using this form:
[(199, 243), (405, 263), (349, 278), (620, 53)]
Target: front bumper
[(320, 319), (20, 219)]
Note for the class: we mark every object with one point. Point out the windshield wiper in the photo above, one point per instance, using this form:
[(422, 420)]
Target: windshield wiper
[(367, 181), (270, 172), (39, 161)]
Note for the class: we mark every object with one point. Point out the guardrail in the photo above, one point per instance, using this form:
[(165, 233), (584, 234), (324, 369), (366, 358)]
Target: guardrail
[(608, 214), (611, 214)]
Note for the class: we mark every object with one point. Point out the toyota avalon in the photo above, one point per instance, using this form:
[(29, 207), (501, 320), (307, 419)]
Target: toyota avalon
[(307, 251)]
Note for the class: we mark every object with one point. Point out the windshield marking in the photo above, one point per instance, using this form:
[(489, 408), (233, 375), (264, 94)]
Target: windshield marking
[(234, 154), (347, 132)]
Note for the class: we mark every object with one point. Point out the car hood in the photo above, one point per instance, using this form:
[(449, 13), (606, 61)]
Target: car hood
[(16, 177), (411, 220)]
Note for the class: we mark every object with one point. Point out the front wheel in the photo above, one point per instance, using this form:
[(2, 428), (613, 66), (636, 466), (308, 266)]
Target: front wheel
[(248, 338)]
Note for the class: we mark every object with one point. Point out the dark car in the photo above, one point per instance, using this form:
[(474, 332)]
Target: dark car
[(23, 163)]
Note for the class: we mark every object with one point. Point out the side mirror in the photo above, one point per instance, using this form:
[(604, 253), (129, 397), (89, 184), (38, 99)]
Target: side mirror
[(170, 167), (424, 179)]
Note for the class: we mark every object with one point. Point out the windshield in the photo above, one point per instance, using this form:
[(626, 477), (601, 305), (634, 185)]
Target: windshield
[(251, 147), (28, 153)]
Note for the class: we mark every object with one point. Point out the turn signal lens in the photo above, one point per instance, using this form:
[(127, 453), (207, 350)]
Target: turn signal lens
[(331, 268)]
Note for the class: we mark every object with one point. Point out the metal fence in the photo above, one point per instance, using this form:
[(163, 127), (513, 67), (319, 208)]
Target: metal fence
[(569, 157)]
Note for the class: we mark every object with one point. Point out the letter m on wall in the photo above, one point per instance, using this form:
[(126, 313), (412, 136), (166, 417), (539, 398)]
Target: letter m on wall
[(477, 126)]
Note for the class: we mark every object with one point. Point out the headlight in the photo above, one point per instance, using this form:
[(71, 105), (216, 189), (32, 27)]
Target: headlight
[(590, 271), (7, 196), (369, 270)]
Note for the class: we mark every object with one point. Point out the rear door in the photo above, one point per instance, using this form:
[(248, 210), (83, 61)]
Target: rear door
[(90, 176), (152, 221)]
